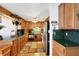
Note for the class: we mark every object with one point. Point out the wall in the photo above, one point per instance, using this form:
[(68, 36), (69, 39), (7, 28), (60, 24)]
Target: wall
[(7, 22), (44, 14), (53, 17), (54, 13)]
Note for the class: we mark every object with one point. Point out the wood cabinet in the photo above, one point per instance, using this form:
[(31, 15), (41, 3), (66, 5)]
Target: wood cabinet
[(76, 16), (60, 50), (5, 50), (38, 24), (5, 11), (25, 26), (14, 48), (21, 42), (24, 39), (61, 16), (38, 37), (19, 45), (68, 16)]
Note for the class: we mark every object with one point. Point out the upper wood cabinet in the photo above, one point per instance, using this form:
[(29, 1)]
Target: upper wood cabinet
[(61, 16), (37, 24), (69, 16), (76, 16)]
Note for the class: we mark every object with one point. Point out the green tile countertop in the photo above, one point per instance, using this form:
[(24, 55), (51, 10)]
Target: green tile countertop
[(67, 37), (66, 43)]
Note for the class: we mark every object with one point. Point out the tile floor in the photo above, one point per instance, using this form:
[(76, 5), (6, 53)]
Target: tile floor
[(33, 48)]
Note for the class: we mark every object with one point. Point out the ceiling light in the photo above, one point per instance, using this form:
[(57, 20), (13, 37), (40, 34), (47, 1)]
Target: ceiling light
[(34, 21)]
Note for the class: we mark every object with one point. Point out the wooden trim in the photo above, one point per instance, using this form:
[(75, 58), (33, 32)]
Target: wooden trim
[(47, 19), (5, 11)]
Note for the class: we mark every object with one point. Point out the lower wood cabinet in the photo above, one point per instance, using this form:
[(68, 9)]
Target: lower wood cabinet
[(38, 37), (5, 50), (25, 39), (19, 45), (14, 49), (21, 42), (60, 50)]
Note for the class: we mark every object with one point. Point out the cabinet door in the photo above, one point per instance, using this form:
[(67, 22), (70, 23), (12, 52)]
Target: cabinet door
[(69, 16), (58, 49), (76, 16), (61, 16), (19, 44), (6, 52), (14, 48)]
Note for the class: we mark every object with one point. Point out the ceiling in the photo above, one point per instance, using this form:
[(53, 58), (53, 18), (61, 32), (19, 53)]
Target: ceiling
[(27, 10)]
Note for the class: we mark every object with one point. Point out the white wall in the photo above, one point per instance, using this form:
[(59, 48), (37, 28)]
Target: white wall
[(6, 21), (44, 14), (54, 13), (53, 17)]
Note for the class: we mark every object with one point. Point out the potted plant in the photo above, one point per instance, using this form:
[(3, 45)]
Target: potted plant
[(1, 26)]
